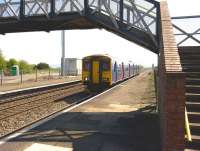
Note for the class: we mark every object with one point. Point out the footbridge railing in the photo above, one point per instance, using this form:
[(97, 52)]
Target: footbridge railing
[(187, 30), (141, 14)]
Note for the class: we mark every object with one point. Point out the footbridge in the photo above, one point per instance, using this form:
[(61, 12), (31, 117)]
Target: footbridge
[(122, 17), (144, 22)]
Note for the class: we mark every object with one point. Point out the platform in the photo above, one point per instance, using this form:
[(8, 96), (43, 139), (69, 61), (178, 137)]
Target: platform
[(118, 120)]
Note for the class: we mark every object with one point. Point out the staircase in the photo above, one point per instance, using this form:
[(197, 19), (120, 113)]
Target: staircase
[(190, 59)]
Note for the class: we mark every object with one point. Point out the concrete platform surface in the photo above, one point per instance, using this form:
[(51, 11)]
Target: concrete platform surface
[(118, 120)]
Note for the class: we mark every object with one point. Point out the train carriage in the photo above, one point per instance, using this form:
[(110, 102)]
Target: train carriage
[(103, 71)]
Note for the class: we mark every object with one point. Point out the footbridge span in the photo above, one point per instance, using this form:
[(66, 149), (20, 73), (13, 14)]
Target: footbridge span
[(125, 18), (144, 22)]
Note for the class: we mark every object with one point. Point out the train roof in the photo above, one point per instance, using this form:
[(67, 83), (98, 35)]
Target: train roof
[(105, 56), (97, 55)]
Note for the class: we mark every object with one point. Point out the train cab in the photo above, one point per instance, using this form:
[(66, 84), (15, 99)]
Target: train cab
[(96, 70)]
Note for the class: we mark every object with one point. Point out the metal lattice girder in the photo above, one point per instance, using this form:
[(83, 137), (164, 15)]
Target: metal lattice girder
[(35, 7), (9, 8), (137, 16), (138, 13), (181, 27), (135, 20), (69, 5)]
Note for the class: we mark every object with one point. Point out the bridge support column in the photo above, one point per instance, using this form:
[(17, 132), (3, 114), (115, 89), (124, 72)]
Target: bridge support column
[(171, 87)]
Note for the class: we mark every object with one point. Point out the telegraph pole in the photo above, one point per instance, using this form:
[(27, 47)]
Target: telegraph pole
[(63, 53)]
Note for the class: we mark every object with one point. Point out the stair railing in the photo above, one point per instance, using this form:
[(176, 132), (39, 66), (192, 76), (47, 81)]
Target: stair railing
[(187, 127)]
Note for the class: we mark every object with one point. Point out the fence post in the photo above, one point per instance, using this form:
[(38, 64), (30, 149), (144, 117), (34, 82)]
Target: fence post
[(136, 69), (49, 73), (36, 75), (59, 73), (21, 76), (1, 77)]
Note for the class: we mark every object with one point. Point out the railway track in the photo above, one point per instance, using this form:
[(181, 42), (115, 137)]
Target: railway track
[(20, 110), (17, 95), (11, 108), (24, 109)]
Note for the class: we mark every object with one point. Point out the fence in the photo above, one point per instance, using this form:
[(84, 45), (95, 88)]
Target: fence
[(36, 75)]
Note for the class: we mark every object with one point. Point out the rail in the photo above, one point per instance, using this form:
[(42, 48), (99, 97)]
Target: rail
[(32, 90)]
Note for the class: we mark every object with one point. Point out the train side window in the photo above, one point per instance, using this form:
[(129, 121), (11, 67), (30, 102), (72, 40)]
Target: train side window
[(105, 66), (86, 65)]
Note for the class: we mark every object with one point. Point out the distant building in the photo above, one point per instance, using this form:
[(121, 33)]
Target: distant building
[(73, 66)]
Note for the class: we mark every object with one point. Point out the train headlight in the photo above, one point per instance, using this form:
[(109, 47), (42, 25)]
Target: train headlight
[(105, 79), (86, 79)]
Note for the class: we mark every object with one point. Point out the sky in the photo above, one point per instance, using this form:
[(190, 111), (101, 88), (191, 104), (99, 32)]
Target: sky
[(36, 47)]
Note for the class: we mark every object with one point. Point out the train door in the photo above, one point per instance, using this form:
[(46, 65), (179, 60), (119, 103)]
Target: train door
[(95, 73)]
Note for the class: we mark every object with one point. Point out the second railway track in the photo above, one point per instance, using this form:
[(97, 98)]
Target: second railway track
[(11, 108)]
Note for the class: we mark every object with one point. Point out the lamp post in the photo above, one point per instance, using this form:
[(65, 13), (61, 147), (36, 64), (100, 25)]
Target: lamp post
[(63, 53)]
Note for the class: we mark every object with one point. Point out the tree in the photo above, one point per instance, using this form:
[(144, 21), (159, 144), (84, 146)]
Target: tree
[(11, 63), (42, 66), (2, 61), (23, 65)]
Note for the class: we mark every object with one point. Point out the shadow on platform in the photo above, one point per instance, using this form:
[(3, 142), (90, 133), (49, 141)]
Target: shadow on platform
[(100, 131)]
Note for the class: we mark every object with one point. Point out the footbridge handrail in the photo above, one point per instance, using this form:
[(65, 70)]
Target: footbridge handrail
[(187, 30)]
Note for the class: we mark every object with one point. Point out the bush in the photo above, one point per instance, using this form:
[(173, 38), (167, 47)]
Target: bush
[(23, 65), (42, 66), (11, 63)]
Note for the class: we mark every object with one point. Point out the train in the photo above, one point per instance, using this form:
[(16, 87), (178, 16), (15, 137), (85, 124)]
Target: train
[(100, 71)]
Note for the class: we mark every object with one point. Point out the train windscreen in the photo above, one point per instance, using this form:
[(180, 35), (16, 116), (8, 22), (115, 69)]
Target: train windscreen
[(105, 65), (86, 65)]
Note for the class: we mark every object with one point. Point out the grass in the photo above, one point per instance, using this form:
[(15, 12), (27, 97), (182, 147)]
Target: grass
[(150, 90)]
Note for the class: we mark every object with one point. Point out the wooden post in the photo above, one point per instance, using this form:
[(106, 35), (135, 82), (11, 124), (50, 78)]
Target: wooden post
[(36, 75), (1, 77), (49, 73), (21, 75)]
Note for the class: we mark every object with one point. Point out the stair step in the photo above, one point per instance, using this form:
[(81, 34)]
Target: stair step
[(189, 61), (192, 81), (186, 62), (191, 68), (195, 132), (192, 88), (196, 138), (194, 145), (189, 56), (186, 50), (193, 97), (195, 128), (194, 117), (192, 74), (193, 106)]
